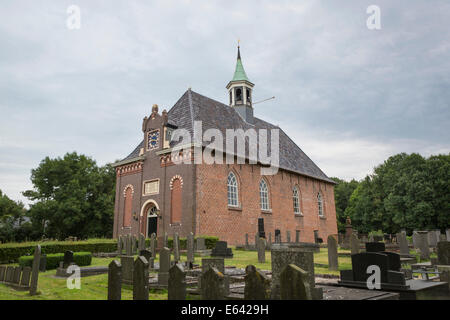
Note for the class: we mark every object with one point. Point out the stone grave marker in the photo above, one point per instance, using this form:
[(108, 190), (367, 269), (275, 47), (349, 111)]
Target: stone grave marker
[(35, 270), (9, 274), (375, 247), (218, 263), (269, 244), (403, 243), (141, 244), (176, 247), (119, 245), (354, 244), (147, 254), (447, 233), (257, 284), (332, 253), (294, 284), (134, 244), (115, 280), (177, 283), (201, 244), (443, 252), (26, 276), (153, 244), (68, 259), (140, 279), (213, 285), (256, 240), (190, 250), (2, 273), (129, 246), (17, 274), (127, 263), (164, 265), (221, 250), (43, 263), (261, 247), (422, 243), (432, 239)]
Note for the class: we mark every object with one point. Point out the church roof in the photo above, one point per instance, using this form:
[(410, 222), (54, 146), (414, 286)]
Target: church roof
[(213, 114)]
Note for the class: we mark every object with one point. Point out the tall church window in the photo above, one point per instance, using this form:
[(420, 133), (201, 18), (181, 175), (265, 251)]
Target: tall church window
[(233, 195), (176, 200), (296, 200), (264, 195), (320, 204), (128, 206)]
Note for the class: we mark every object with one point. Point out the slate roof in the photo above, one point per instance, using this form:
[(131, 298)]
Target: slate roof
[(213, 114)]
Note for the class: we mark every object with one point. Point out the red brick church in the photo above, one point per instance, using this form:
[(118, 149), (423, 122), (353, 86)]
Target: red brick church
[(156, 194)]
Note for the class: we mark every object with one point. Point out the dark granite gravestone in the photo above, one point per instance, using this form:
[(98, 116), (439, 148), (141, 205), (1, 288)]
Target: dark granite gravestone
[(140, 279), (261, 233), (212, 285), (375, 247), (177, 283), (361, 261), (394, 260), (147, 254), (68, 259), (114, 280), (257, 284), (443, 252), (294, 284), (35, 270), (221, 250)]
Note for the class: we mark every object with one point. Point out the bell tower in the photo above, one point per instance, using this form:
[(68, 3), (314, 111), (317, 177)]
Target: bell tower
[(240, 91)]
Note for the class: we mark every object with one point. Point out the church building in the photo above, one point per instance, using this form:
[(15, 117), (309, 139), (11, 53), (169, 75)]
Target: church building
[(156, 194)]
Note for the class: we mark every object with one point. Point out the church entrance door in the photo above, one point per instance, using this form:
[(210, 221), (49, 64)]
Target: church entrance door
[(152, 221)]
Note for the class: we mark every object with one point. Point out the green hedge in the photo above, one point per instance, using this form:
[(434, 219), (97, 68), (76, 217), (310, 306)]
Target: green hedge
[(53, 260), (210, 242), (10, 252)]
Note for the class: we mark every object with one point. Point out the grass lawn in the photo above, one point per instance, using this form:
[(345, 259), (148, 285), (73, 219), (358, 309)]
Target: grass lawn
[(96, 287)]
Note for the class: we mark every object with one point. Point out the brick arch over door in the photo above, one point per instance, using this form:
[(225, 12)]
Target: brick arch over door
[(176, 185), (128, 207)]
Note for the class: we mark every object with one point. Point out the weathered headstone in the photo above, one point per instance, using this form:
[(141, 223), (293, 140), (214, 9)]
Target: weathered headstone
[(9, 274), (288, 236), (141, 243), (177, 283), (443, 252), (218, 263), (176, 247), (26, 276), (164, 265), (153, 244), (447, 233), (127, 263), (414, 239), (213, 285), (35, 270), (43, 263), (348, 233), (432, 239), (201, 244), (281, 257), (332, 253), (114, 280), (261, 247), (294, 284), (257, 284), (140, 279), (2, 273), (128, 246), (190, 249), (68, 259), (134, 244), (221, 250), (402, 243), (422, 243), (354, 244), (17, 274)]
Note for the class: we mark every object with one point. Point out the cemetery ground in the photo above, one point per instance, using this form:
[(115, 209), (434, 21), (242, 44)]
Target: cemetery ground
[(96, 287)]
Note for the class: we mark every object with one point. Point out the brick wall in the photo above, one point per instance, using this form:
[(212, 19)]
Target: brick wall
[(214, 217)]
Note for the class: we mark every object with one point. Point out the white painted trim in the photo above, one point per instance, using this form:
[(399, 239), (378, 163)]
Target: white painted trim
[(146, 203)]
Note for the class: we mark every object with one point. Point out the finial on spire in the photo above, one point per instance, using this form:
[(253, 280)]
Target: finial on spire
[(239, 51)]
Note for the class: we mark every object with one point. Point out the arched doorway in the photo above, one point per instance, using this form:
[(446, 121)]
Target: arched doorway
[(149, 216)]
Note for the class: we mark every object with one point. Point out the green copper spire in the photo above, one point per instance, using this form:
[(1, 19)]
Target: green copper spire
[(239, 73)]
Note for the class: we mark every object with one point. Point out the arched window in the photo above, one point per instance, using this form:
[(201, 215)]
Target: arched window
[(264, 195), (128, 207), (320, 204), (296, 200), (232, 190), (176, 201)]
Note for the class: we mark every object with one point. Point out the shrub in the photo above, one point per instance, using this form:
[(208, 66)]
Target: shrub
[(12, 251), (53, 260), (210, 242)]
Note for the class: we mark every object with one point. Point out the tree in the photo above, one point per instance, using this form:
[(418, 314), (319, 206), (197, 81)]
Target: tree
[(342, 192), (73, 197), (12, 219)]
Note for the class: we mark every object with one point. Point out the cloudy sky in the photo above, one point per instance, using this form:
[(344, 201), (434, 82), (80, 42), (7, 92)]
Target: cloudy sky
[(349, 96)]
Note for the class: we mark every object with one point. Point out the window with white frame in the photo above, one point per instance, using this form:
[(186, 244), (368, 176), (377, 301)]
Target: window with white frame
[(320, 204), (296, 200), (264, 195), (232, 190)]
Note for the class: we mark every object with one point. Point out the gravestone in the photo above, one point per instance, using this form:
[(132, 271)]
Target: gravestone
[(403, 243), (127, 263), (257, 284), (9, 274), (422, 243), (246, 240), (218, 263), (332, 253), (297, 236), (35, 270), (190, 250), (269, 244), (201, 244), (114, 280), (147, 254), (26, 276), (294, 284), (394, 260), (166, 240), (119, 245), (134, 244), (177, 283), (43, 263), (261, 232), (414, 239), (288, 236), (256, 240), (164, 265), (140, 279), (2, 273), (141, 243), (277, 236), (354, 244), (68, 259), (261, 247), (221, 250), (361, 261), (17, 274), (128, 246), (153, 245), (281, 257), (447, 233), (375, 247), (443, 252), (348, 233), (176, 247), (212, 285), (432, 239)]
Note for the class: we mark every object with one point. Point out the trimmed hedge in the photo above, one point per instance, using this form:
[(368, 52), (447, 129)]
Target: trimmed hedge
[(210, 242), (10, 252), (79, 258)]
